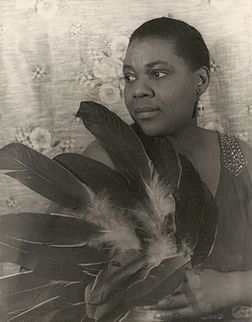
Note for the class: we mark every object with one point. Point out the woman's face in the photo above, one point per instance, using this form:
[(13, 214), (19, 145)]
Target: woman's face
[(160, 89)]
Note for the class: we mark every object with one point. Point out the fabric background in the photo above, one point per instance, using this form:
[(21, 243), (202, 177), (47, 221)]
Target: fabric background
[(56, 53)]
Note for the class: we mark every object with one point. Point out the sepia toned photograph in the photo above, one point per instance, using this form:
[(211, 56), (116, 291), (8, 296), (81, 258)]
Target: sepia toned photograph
[(125, 160)]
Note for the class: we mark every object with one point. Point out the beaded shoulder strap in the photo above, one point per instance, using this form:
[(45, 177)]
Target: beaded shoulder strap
[(232, 155)]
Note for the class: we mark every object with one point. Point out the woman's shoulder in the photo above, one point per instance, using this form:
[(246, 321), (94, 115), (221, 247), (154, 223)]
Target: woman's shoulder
[(97, 152), (247, 152), (236, 154)]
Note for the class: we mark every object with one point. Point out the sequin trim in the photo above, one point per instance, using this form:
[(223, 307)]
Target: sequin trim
[(233, 157)]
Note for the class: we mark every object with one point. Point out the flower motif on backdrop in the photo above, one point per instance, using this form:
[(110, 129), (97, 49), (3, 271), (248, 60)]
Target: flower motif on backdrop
[(44, 8), (204, 3), (38, 72), (75, 29), (170, 15), (214, 67), (47, 8), (119, 47), (109, 94), (41, 139), (23, 136), (222, 5), (107, 68), (101, 70), (249, 107), (243, 136), (35, 137), (63, 6), (11, 202), (67, 145)]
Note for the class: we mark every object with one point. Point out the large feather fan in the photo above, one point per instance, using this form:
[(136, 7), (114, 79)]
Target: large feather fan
[(118, 238)]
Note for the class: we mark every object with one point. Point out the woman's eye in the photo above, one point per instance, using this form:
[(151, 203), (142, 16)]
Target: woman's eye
[(158, 74), (129, 78)]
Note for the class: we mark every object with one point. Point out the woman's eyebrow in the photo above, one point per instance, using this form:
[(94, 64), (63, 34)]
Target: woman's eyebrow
[(149, 65), (158, 62)]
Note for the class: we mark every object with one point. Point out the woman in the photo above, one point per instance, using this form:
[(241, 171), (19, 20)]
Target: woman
[(166, 70)]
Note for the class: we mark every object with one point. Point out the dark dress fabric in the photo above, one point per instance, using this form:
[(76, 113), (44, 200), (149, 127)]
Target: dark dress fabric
[(233, 246), (232, 250)]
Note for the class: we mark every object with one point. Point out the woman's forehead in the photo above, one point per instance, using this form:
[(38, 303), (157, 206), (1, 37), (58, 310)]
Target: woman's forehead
[(150, 50)]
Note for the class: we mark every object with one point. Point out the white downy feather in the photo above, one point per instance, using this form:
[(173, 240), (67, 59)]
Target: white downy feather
[(118, 231), (161, 207)]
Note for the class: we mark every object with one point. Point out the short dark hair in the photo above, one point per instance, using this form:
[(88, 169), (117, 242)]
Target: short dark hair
[(189, 43)]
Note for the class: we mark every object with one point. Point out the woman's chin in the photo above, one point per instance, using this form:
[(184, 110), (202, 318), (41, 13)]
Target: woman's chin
[(151, 130)]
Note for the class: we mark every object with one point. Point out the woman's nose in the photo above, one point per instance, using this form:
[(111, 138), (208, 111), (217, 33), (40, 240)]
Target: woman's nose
[(142, 89)]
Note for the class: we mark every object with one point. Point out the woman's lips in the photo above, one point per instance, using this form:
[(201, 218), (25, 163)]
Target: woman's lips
[(146, 112)]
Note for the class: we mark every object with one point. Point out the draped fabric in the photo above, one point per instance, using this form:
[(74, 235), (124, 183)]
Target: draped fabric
[(56, 53)]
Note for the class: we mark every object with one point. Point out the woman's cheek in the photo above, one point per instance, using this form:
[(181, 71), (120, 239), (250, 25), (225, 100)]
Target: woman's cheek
[(127, 101)]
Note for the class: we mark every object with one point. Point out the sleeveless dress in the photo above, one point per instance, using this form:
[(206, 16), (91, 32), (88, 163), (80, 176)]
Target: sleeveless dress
[(233, 246), (232, 250)]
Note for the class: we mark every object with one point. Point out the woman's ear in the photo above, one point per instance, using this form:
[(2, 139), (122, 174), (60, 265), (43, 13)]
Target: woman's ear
[(203, 79)]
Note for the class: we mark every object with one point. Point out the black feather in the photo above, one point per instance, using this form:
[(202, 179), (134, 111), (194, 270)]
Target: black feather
[(26, 296), (163, 155), (51, 229), (99, 177), (43, 175), (189, 210), (120, 142), (85, 258), (196, 213), (159, 282), (207, 230)]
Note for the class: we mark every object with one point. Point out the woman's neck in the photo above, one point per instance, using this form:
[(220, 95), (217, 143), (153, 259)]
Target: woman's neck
[(187, 140)]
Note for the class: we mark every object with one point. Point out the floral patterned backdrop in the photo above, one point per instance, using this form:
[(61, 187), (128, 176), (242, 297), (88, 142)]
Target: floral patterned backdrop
[(56, 53)]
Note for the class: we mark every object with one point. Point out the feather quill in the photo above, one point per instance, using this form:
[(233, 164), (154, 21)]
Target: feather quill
[(40, 309)]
